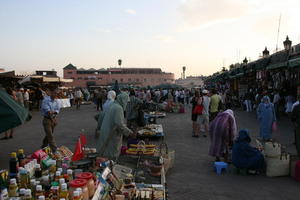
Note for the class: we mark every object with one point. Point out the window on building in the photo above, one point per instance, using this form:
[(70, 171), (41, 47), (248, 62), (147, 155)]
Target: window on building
[(137, 80), (165, 80), (129, 80), (79, 78), (99, 78), (121, 80), (86, 78), (70, 72), (72, 78), (145, 80)]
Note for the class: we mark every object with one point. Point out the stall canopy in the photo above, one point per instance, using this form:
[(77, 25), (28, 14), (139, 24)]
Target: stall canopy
[(294, 62), (11, 113)]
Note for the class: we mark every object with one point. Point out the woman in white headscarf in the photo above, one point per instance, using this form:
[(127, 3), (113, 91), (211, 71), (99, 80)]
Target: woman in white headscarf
[(110, 99)]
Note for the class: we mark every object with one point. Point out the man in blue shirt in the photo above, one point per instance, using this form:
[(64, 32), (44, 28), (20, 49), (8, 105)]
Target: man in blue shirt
[(50, 109)]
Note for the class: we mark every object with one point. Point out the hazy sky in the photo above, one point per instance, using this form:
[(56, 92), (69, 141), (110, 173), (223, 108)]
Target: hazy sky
[(198, 34)]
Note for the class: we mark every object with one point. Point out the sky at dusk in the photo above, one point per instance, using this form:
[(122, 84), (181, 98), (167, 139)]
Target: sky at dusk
[(202, 35)]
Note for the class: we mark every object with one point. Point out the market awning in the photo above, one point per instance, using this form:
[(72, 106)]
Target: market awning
[(12, 114), (277, 65), (294, 62)]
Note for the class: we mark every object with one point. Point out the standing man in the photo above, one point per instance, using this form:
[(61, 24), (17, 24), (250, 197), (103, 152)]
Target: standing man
[(203, 119), (78, 98), (276, 101), (50, 109), (26, 99), (19, 96), (215, 101)]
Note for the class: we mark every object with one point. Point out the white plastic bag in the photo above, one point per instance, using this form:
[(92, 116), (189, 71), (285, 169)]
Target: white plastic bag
[(272, 149), (279, 166)]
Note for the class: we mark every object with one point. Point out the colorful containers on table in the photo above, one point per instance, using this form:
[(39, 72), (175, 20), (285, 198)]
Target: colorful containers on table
[(89, 177)]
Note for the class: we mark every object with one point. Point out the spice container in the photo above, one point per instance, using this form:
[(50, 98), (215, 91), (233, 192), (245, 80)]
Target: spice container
[(79, 183), (90, 182)]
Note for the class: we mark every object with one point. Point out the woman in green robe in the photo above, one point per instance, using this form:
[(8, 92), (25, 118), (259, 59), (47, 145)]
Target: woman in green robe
[(113, 128)]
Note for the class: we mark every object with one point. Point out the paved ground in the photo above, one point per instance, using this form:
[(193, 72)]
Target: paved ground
[(192, 176)]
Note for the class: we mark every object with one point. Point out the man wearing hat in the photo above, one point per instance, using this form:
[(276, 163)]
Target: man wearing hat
[(203, 120), (50, 109)]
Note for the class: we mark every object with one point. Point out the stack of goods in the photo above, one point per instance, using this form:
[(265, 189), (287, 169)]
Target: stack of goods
[(145, 149), (277, 161), (45, 176), (151, 130)]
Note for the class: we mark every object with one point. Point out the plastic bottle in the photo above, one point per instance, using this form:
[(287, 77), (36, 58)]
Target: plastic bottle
[(70, 175), (4, 194), (80, 192), (13, 163), (13, 188), (24, 178), (39, 191), (21, 157), (28, 195), (41, 198), (57, 176), (38, 171), (32, 185), (22, 193), (61, 181), (76, 195), (64, 193)]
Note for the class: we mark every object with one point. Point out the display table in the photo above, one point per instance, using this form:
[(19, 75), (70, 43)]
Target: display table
[(64, 103)]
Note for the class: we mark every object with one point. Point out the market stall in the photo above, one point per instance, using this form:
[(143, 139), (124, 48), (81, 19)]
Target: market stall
[(63, 175)]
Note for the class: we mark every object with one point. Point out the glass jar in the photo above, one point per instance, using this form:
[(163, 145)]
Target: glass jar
[(89, 177), (79, 183)]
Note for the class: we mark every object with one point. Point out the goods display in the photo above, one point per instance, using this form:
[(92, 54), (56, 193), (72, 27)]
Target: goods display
[(43, 175), (151, 130)]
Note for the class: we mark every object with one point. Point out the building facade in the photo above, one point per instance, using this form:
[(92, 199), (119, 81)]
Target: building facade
[(190, 81), (141, 77)]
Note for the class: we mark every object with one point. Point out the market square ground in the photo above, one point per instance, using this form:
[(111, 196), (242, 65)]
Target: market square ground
[(192, 176)]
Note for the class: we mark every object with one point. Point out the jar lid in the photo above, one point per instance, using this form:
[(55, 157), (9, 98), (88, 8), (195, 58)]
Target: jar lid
[(57, 173), (76, 193), (61, 180), (39, 188), (64, 186), (22, 191), (21, 151), (70, 171), (41, 197), (85, 175), (28, 192), (78, 183), (13, 181)]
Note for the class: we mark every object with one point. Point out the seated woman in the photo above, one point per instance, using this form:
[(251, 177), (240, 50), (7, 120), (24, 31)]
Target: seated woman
[(245, 156)]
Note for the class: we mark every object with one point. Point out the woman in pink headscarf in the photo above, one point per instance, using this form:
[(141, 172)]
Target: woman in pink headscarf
[(223, 131)]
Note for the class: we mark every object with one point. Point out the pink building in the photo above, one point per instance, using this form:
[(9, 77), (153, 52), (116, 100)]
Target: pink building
[(142, 77)]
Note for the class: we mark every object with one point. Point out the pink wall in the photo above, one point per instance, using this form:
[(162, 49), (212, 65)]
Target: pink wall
[(142, 80)]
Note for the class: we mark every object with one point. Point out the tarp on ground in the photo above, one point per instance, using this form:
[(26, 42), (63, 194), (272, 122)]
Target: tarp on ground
[(12, 114)]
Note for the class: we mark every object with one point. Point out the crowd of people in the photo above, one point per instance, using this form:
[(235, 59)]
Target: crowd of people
[(212, 115)]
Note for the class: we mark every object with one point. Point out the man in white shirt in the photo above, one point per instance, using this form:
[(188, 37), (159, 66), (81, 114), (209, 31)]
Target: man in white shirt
[(26, 99), (203, 120), (78, 98), (276, 100)]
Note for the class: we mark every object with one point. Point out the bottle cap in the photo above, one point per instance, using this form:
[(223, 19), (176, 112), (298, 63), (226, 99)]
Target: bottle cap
[(13, 181), (13, 154), (59, 169), (32, 182), (39, 188), (76, 193), (58, 173), (79, 190), (61, 181), (37, 166), (22, 191), (41, 198), (69, 172), (64, 186), (28, 192), (21, 151)]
